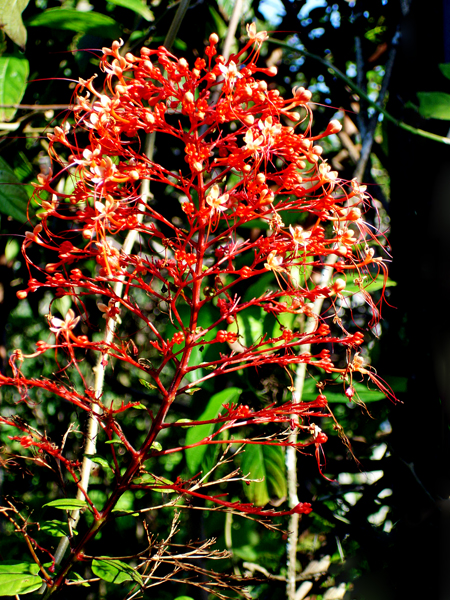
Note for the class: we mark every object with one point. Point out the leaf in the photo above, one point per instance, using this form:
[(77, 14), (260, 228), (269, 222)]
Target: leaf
[(77, 577), (98, 460), (14, 71), (115, 571), (194, 456), (445, 69), (13, 197), (147, 385), (434, 105), (149, 479), (262, 284), (191, 391), (56, 528), (249, 324), (372, 286), (336, 394), (184, 598), (18, 578), (76, 20), (266, 463), (11, 20), (67, 504), (136, 6)]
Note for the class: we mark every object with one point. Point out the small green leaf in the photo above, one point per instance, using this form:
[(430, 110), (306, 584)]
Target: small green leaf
[(445, 69), (434, 105), (149, 479), (119, 442), (156, 446), (184, 598), (140, 406), (148, 385), (12, 249), (115, 571), (67, 504), (98, 460), (14, 71), (13, 197), (76, 577), (11, 20), (18, 578), (136, 6), (78, 21), (194, 456), (187, 421), (266, 463), (191, 391), (56, 528)]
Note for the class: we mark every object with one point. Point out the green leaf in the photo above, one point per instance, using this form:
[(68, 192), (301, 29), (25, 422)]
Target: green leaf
[(149, 479), (115, 571), (262, 284), (67, 504), (136, 6), (11, 20), (335, 394), (76, 20), (77, 577), (434, 105), (13, 197), (184, 598), (98, 460), (14, 71), (56, 528), (266, 463), (147, 384), (156, 446), (249, 324), (371, 286), (18, 578), (194, 456), (445, 69)]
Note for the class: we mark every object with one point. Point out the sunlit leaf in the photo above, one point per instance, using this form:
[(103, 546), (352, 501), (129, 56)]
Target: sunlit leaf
[(147, 384), (371, 286), (335, 393), (149, 479), (76, 577), (265, 463), (13, 197), (98, 460), (250, 325), (115, 571), (14, 71), (76, 20), (194, 456), (136, 6), (445, 69), (18, 578), (11, 20), (434, 105), (56, 528), (67, 504)]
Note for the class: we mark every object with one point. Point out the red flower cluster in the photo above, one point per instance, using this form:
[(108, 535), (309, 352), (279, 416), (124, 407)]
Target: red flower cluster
[(251, 158)]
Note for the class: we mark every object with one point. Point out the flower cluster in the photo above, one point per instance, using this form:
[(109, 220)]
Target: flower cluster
[(252, 164)]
